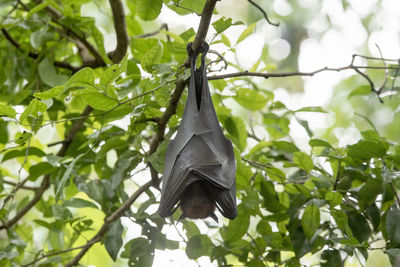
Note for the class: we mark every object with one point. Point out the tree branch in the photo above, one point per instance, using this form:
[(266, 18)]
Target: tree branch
[(80, 42), (203, 26), (264, 13), (351, 66), (59, 64), (26, 187), (46, 180), (117, 9), (157, 138), (51, 255), (146, 35), (114, 216)]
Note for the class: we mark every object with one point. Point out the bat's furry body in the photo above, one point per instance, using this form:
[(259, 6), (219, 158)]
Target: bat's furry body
[(200, 162)]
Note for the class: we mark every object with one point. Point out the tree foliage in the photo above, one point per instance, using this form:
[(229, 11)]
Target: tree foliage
[(83, 133)]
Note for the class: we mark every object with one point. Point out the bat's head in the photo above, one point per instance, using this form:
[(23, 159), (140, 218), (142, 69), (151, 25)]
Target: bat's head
[(197, 202)]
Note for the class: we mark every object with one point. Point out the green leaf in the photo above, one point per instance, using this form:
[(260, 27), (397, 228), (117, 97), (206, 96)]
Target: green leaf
[(366, 150), (7, 111), (83, 78), (237, 228), (225, 40), (49, 75), (341, 221), (79, 203), (331, 258), (139, 252), (67, 175), (60, 213), (311, 109), (222, 24), (33, 109), (256, 263), (112, 73), (40, 169), (113, 238), (157, 158), (333, 198), (319, 142), (359, 225), (285, 146), (271, 200), (199, 245), (310, 220), (37, 37), (237, 130), (148, 10), (246, 32), (250, 99), (359, 91), (53, 92), (152, 57), (191, 228), (303, 161), (23, 138), (99, 101), (33, 151), (36, 9), (368, 193), (126, 162), (189, 5), (176, 37), (393, 226), (305, 126)]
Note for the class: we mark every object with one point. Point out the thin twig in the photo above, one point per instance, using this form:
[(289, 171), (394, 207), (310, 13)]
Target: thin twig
[(114, 216), (26, 187), (337, 176), (220, 58), (51, 255), (50, 122), (163, 26), (377, 58), (80, 41), (379, 90), (267, 75), (264, 13), (56, 63), (188, 9), (20, 183), (46, 180), (395, 193), (263, 167)]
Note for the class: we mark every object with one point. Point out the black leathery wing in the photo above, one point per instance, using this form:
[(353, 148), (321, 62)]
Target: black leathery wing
[(200, 167)]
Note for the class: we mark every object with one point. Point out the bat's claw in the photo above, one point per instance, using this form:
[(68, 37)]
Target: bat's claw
[(214, 217)]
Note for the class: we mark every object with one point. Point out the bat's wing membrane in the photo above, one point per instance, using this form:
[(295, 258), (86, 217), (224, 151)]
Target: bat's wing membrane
[(199, 151)]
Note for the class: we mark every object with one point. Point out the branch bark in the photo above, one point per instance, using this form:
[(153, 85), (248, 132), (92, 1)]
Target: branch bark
[(114, 216), (46, 180), (117, 9), (82, 44), (267, 75), (60, 64)]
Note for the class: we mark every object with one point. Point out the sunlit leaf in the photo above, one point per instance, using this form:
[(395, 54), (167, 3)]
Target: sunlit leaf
[(250, 99), (148, 10), (311, 220), (249, 30)]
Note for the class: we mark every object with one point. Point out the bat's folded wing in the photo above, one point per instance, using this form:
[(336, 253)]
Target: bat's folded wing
[(196, 161)]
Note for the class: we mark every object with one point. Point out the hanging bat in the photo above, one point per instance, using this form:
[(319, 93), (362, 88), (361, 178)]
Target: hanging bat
[(200, 167)]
